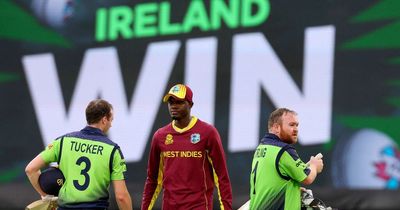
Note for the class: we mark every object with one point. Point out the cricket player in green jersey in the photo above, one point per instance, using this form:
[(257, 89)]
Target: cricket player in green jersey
[(277, 170), (90, 162)]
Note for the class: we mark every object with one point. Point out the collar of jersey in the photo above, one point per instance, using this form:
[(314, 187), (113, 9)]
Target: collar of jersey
[(93, 131), (190, 125)]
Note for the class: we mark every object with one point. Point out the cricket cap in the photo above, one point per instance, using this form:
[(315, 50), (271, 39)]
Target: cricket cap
[(180, 91), (51, 180)]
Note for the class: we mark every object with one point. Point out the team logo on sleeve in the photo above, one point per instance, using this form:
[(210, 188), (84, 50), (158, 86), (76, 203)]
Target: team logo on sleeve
[(49, 146), (195, 138), (168, 139)]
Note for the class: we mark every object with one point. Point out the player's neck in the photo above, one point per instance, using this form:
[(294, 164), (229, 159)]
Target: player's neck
[(182, 123), (98, 126)]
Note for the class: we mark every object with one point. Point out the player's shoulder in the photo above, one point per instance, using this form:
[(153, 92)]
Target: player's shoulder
[(165, 129), (70, 134), (291, 151), (273, 140), (87, 135), (205, 125), (207, 130), (59, 139)]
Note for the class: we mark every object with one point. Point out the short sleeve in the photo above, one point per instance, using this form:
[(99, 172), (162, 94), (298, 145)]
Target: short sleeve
[(291, 165), (51, 152), (119, 166)]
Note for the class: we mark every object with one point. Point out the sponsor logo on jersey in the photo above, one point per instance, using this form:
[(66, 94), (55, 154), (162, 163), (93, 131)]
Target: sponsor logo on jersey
[(49, 146), (168, 139), (195, 138)]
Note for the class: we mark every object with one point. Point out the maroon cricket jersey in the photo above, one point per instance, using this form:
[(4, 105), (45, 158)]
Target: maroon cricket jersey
[(187, 163)]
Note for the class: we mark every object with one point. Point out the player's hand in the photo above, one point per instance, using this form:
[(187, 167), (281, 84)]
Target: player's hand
[(49, 198), (317, 162)]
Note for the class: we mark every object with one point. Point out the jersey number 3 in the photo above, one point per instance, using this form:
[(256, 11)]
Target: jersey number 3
[(84, 172)]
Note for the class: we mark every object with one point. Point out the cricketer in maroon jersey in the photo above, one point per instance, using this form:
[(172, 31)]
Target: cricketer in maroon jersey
[(186, 160)]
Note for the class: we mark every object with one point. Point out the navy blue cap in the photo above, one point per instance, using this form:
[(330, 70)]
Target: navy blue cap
[(51, 180)]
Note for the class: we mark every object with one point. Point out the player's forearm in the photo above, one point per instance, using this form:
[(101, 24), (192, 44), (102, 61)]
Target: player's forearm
[(224, 186), (148, 193), (32, 171), (33, 177), (226, 196), (311, 176), (227, 204), (124, 202), (122, 195)]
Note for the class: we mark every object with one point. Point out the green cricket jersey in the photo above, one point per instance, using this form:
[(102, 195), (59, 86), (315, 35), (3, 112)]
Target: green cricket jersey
[(277, 172), (89, 162)]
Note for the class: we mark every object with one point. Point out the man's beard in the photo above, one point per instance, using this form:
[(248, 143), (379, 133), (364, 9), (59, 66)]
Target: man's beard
[(286, 137)]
